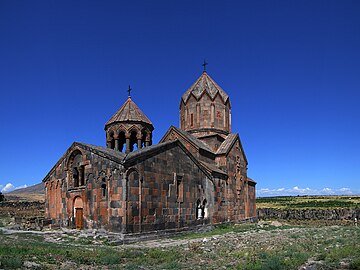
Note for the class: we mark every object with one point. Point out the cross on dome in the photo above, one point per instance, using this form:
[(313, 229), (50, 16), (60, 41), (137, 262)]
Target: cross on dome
[(204, 65)]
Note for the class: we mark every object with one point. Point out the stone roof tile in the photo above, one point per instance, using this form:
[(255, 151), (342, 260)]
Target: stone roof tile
[(205, 84), (225, 146), (129, 112), (193, 139), (212, 168), (107, 151), (146, 150)]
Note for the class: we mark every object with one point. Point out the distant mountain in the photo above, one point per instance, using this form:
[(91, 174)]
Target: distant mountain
[(38, 188), (32, 193)]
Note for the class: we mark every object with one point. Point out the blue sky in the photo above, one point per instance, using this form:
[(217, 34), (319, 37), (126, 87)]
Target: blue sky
[(291, 69)]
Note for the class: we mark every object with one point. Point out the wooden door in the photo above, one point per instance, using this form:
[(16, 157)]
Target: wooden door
[(79, 218)]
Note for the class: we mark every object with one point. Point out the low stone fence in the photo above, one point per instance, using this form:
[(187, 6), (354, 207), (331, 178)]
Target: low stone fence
[(23, 215), (309, 214), (33, 223)]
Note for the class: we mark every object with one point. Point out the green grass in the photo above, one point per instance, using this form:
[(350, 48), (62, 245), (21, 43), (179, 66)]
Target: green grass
[(14, 253), (246, 246), (355, 264)]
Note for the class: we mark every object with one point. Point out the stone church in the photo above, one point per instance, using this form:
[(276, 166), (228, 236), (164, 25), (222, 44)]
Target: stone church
[(195, 175)]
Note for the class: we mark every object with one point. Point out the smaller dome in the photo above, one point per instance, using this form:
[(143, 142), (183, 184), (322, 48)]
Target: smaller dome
[(128, 128), (130, 113), (205, 84)]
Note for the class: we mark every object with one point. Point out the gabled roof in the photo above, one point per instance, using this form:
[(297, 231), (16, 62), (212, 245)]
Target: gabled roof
[(226, 145), (213, 169), (111, 154), (129, 112), (189, 137), (205, 84), (126, 159), (103, 151), (146, 151)]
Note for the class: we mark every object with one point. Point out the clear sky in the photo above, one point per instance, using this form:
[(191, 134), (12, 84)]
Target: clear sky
[(291, 69)]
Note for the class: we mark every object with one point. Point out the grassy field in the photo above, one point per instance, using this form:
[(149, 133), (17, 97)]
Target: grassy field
[(265, 245), (309, 202), (247, 246)]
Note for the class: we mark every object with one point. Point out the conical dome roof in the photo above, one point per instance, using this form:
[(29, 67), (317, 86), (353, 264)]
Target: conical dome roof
[(129, 112), (205, 84)]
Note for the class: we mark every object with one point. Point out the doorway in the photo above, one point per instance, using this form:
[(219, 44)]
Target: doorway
[(79, 213), (79, 218)]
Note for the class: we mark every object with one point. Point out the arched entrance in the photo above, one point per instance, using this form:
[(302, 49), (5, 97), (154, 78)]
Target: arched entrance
[(78, 213)]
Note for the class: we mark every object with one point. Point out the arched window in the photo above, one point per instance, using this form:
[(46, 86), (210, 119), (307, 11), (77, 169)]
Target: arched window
[(103, 189), (204, 209), (76, 170), (198, 209), (122, 141), (143, 139), (75, 175), (133, 140)]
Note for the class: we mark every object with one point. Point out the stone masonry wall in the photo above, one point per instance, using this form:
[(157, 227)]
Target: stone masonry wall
[(61, 195), (165, 190), (167, 194), (237, 186), (309, 214)]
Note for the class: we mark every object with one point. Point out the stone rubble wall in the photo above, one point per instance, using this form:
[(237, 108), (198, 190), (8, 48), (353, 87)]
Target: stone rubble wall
[(31, 223), (309, 214), (22, 208), (23, 215)]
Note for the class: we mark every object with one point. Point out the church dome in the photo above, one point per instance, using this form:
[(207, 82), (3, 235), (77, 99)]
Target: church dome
[(128, 128), (129, 112), (205, 84), (205, 108)]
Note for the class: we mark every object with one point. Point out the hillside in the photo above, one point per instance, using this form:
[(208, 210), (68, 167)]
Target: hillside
[(32, 193)]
